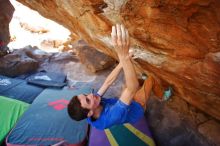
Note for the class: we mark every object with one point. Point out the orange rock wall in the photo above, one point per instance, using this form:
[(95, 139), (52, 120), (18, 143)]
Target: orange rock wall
[(6, 13), (176, 40)]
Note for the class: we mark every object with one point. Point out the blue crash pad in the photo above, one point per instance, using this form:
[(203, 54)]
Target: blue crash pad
[(18, 89), (47, 122)]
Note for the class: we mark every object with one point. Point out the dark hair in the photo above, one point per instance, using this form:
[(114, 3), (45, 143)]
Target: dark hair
[(75, 110)]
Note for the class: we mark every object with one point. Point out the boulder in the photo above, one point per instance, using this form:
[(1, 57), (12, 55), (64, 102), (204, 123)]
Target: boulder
[(6, 13), (33, 29), (34, 53), (17, 64), (93, 59), (172, 128)]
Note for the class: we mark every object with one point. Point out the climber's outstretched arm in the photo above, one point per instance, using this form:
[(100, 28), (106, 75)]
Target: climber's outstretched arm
[(120, 39), (110, 79)]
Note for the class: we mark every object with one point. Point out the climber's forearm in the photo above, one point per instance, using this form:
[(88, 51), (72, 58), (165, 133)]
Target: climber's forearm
[(110, 79)]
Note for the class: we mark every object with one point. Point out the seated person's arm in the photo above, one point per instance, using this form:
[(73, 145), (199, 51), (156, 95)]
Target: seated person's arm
[(110, 79)]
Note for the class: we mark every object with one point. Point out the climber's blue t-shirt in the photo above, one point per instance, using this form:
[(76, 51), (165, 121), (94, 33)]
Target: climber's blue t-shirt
[(116, 112)]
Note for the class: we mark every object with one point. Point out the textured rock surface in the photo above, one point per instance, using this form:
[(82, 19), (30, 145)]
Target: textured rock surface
[(172, 129), (178, 41), (213, 128), (6, 12), (17, 63), (93, 60)]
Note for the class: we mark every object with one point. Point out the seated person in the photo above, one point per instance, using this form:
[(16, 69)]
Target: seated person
[(103, 113)]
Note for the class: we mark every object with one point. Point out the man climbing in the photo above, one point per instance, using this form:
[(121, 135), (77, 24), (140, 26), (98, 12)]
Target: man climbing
[(103, 113)]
